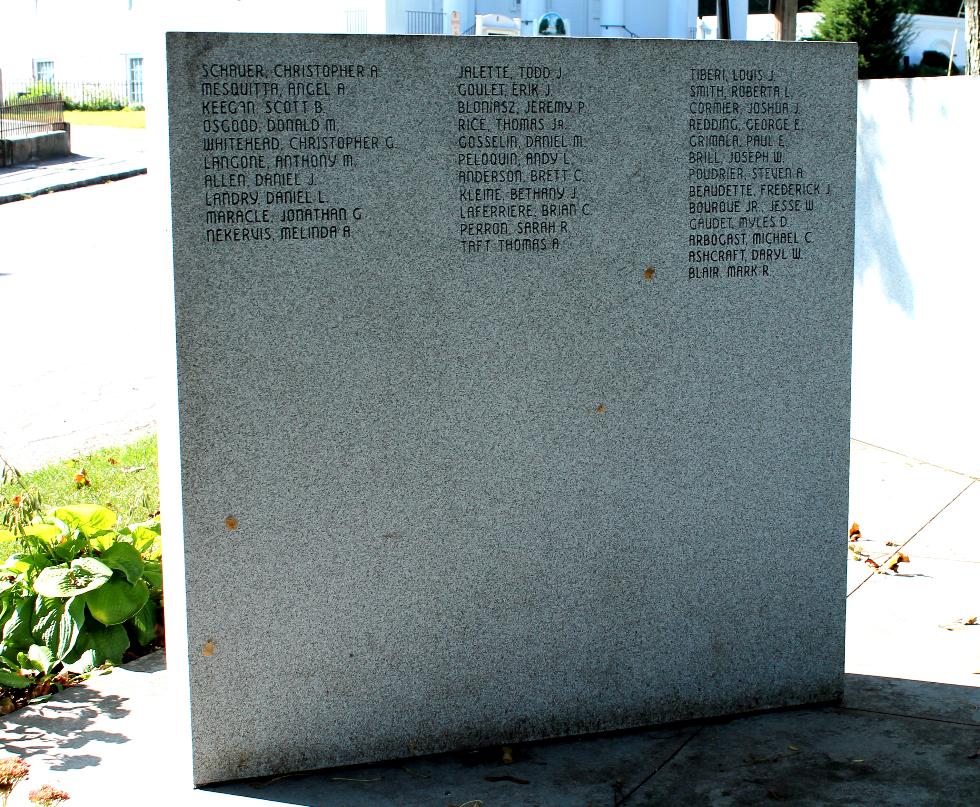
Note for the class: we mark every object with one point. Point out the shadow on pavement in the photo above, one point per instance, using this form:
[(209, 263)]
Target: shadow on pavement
[(889, 741)]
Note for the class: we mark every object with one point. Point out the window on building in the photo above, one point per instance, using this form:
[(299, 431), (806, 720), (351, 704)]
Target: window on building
[(135, 80), (43, 71), (357, 21)]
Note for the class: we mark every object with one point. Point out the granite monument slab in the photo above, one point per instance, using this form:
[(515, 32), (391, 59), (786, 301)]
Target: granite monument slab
[(513, 382)]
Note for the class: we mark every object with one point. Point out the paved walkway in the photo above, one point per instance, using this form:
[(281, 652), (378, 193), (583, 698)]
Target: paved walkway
[(82, 304), (906, 733), (96, 283), (100, 154)]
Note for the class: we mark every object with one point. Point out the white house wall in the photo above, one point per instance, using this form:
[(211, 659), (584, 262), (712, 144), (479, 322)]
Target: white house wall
[(645, 18), (937, 33), (85, 40), (917, 274), (90, 40)]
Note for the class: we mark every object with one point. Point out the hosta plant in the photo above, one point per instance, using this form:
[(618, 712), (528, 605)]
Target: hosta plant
[(78, 594)]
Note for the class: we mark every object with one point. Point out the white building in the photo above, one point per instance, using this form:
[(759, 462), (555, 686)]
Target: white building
[(104, 42), (675, 19), (80, 44), (95, 41)]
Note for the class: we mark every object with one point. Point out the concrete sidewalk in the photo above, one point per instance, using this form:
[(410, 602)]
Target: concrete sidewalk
[(99, 154), (906, 733)]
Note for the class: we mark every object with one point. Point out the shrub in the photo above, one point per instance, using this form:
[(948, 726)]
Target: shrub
[(934, 63), (86, 97), (881, 28), (95, 100), (78, 594), (38, 91)]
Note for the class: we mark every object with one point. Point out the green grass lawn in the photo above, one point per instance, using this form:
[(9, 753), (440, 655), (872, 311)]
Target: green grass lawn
[(122, 119), (123, 478)]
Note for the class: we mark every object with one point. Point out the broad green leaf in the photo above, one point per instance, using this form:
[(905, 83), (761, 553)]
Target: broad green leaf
[(42, 659), (117, 600), (145, 622), (82, 660), (48, 533), (57, 623), (20, 562), (69, 549), (125, 558), (153, 574), (109, 643), (103, 540), (145, 536), (17, 628), (88, 519), (9, 679), (82, 575), (6, 535)]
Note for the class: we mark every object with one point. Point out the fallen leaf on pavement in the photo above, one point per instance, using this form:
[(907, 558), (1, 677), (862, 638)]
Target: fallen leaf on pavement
[(872, 563), (960, 623), (892, 563), (854, 534)]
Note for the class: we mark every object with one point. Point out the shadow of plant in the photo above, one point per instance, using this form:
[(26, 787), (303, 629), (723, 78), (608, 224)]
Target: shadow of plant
[(47, 729)]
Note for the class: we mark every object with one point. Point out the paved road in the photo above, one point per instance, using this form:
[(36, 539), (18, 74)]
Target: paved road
[(82, 321)]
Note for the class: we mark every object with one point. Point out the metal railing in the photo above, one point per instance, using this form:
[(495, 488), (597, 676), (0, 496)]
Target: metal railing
[(31, 117), (77, 94), (425, 22), (357, 21), (632, 35)]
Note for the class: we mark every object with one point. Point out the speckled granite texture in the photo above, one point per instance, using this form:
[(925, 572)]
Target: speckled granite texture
[(469, 467)]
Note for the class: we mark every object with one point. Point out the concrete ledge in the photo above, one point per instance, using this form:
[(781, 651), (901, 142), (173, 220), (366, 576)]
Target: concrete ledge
[(68, 185), (45, 146)]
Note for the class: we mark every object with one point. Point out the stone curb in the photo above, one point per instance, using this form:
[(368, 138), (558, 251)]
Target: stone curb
[(67, 186)]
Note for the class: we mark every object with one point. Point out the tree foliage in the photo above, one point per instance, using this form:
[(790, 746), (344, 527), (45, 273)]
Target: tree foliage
[(938, 8), (881, 28)]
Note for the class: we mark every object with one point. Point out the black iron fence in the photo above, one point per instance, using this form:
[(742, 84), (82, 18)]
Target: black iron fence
[(31, 117), (95, 95), (425, 22)]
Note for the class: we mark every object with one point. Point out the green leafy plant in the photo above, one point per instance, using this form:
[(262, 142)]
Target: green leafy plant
[(122, 478), (77, 594), (881, 28)]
